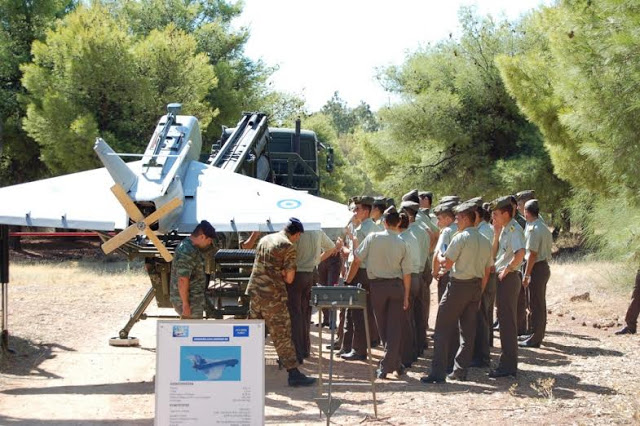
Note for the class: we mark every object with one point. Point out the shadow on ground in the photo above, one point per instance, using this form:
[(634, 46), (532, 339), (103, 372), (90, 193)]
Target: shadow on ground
[(125, 388), (26, 357)]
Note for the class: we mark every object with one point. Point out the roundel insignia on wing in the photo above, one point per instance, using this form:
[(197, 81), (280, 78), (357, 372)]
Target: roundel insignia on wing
[(289, 204)]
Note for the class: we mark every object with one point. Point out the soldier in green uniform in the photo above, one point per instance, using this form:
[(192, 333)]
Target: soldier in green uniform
[(273, 269), (524, 300), (188, 278), (419, 304), (469, 259), (311, 249), (409, 350), (508, 250), (354, 342), (484, 324), (389, 272), (429, 219), (538, 242), (446, 223)]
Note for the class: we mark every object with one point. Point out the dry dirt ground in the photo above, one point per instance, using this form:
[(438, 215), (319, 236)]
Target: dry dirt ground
[(62, 313)]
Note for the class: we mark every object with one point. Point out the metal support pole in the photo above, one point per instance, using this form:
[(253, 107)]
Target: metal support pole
[(137, 314)]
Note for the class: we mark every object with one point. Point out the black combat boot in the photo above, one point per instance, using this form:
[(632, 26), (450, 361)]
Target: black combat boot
[(297, 378)]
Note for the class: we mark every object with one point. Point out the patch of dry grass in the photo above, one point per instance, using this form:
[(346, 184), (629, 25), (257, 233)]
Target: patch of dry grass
[(77, 272)]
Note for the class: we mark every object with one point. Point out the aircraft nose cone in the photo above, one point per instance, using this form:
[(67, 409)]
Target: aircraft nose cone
[(141, 226)]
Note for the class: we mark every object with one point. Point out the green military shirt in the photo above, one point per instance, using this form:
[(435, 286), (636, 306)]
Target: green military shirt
[(511, 240), (188, 262), (446, 235), (425, 219), (385, 254), (470, 252), (486, 230), (309, 248), (365, 228), (424, 242), (413, 250), (274, 254), (538, 238)]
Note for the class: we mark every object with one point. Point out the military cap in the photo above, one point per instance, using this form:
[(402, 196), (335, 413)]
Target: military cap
[(410, 205), (476, 201), (502, 202), (363, 199), (465, 207), (390, 202), (449, 198), (444, 208), (411, 196), (526, 195), (532, 206), (390, 210), (425, 194), (294, 226), (380, 201)]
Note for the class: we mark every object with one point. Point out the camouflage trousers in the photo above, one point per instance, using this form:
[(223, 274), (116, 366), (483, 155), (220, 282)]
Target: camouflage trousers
[(275, 313), (196, 303)]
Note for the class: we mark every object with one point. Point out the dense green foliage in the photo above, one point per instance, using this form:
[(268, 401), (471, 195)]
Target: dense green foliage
[(580, 84), (91, 78), (456, 130), (108, 68), (21, 22)]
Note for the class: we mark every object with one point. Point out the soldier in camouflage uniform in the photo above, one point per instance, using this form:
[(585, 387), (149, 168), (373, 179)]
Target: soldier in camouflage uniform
[(273, 269), (188, 279)]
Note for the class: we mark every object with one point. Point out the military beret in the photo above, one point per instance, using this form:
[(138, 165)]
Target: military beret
[(410, 205), (425, 194), (294, 226), (464, 207), (380, 201), (390, 210), (449, 198), (364, 199), (390, 202), (529, 194), (444, 208), (532, 206), (411, 196), (502, 202), (476, 201)]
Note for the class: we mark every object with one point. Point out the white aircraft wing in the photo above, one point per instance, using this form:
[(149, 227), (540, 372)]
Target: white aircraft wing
[(230, 201), (75, 201), (234, 202)]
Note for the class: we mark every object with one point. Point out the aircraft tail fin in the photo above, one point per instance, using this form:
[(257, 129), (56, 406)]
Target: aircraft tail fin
[(117, 168)]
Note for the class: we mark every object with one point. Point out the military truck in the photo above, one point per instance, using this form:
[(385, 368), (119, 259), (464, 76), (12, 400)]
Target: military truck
[(287, 157)]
